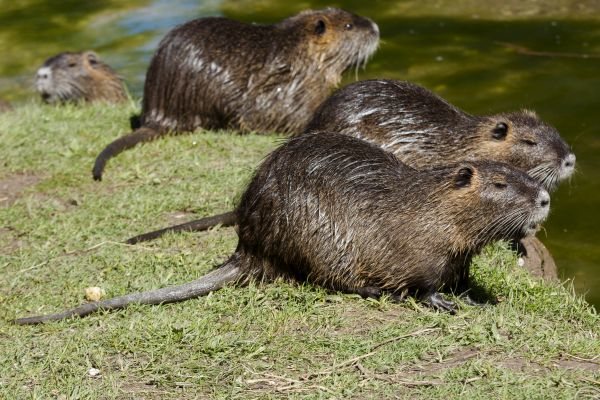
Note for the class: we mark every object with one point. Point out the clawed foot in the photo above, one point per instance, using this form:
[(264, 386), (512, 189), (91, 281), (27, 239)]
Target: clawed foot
[(437, 301), (368, 292)]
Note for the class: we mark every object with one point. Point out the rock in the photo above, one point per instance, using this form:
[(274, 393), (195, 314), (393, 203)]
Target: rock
[(536, 258), (94, 293)]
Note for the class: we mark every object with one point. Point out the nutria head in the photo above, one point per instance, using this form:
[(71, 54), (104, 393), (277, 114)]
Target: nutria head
[(460, 209), (523, 140), (488, 201), (74, 77), (334, 39)]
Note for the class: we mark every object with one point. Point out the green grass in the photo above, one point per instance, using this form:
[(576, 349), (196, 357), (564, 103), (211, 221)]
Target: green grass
[(60, 233)]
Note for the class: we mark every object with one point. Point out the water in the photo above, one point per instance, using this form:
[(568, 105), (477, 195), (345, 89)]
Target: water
[(456, 50)]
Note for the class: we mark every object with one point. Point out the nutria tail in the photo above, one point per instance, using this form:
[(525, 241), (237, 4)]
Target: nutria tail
[(229, 272), (123, 143), (197, 225)]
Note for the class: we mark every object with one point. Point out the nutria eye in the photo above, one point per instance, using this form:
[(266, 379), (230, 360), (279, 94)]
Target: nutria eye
[(320, 27), (500, 185), (529, 142), (92, 61), (71, 65), (500, 131), (348, 27)]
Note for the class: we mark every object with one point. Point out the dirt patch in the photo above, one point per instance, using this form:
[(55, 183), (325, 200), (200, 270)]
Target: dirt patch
[(11, 187), (9, 240), (147, 390), (578, 363), (519, 364), (429, 367), (359, 318)]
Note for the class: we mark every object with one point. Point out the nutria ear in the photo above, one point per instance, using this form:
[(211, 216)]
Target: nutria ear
[(320, 27), (463, 177), (500, 130), (92, 57)]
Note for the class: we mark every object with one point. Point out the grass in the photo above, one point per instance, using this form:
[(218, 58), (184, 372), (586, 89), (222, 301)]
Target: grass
[(60, 233)]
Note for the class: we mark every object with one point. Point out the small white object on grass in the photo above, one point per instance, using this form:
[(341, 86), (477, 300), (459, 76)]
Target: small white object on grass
[(94, 293), (93, 372)]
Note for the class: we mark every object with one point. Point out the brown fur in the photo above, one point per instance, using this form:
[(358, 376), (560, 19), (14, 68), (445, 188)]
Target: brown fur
[(76, 77), (215, 73), (341, 213)]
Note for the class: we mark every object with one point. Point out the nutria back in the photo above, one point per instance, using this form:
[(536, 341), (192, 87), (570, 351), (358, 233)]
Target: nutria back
[(216, 73), (423, 129), (75, 77), (342, 213)]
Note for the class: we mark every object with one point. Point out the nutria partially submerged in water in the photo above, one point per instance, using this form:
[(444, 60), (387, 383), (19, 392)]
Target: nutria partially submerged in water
[(74, 77), (342, 213), (422, 130), (215, 73)]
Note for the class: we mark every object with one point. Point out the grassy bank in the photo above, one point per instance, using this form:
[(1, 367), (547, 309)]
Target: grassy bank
[(60, 233)]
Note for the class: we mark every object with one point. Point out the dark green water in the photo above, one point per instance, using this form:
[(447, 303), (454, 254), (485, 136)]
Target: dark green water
[(452, 49)]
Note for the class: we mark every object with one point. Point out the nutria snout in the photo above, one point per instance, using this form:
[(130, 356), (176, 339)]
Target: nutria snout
[(345, 214), (74, 77), (216, 73)]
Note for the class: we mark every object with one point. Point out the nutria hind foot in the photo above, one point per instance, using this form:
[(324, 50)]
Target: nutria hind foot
[(369, 292), (437, 301)]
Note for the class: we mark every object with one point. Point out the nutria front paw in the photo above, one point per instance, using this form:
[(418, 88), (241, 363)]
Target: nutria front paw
[(437, 301)]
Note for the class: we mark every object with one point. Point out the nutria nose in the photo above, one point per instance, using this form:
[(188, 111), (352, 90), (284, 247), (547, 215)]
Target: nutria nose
[(543, 199), (375, 27), (569, 161)]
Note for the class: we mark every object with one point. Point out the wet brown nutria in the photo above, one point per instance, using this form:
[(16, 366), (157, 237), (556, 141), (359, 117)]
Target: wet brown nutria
[(5, 106), (422, 129), (345, 214), (74, 77), (215, 73)]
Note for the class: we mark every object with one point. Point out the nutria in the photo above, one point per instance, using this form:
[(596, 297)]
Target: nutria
[(5, 106), (343, 213), (75, 77), (422, 129), (215, 73)]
